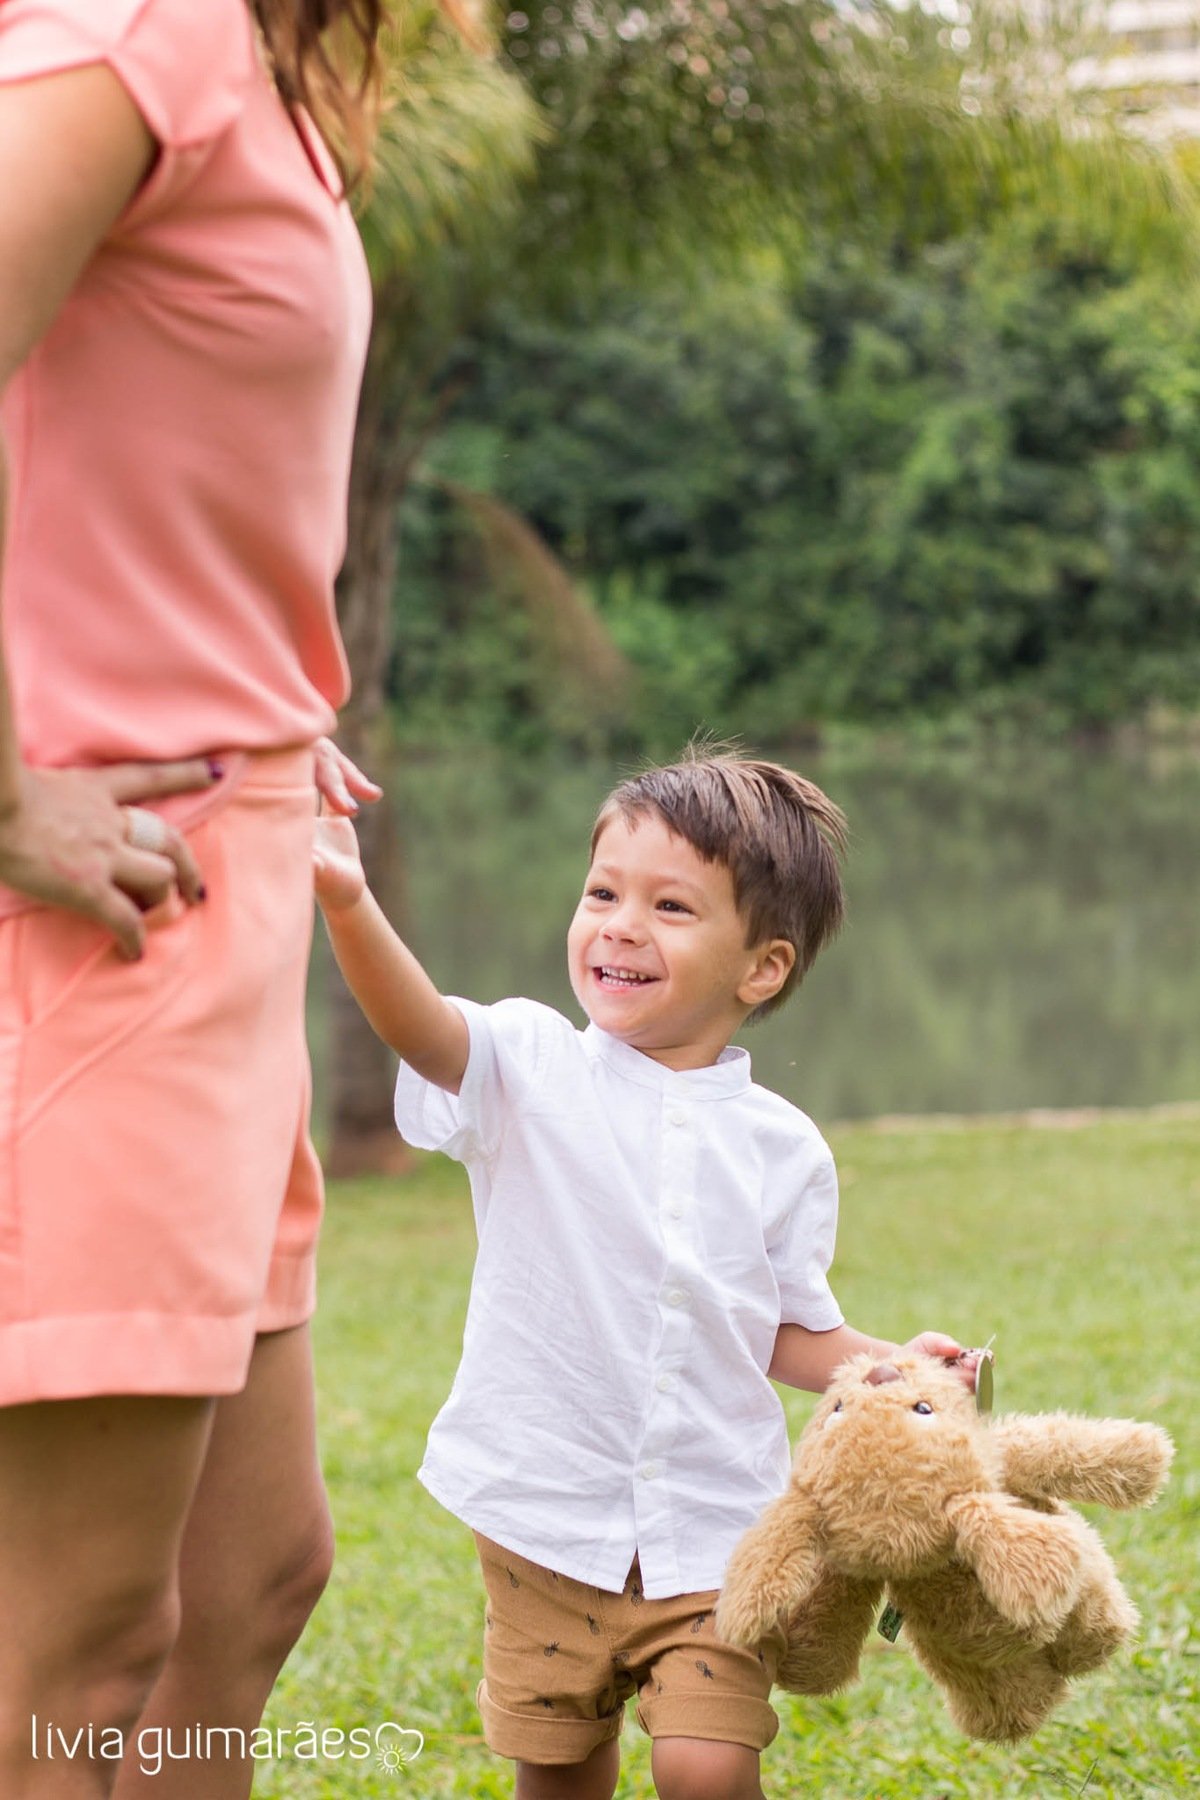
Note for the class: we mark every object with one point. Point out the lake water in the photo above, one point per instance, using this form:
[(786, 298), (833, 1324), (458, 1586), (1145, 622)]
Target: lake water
[(1023, 930)]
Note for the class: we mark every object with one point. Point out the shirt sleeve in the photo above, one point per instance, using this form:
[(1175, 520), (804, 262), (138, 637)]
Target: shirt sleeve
[(512, 1046), (801, 1246), (186, 64)]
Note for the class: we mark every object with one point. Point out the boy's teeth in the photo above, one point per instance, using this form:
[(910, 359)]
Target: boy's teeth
[(621, 974)]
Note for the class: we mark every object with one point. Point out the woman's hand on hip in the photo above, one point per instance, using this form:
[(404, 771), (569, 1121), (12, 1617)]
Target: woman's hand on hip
[(77, 838)]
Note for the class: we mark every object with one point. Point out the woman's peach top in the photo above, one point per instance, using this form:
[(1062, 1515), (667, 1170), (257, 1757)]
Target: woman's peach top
[(179, 443)]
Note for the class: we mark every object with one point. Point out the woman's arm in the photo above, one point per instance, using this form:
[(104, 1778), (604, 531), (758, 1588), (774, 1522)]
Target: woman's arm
[(74, 151)]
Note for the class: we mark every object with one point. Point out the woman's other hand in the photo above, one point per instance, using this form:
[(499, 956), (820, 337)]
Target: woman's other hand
[(77, 838), (340, 782)]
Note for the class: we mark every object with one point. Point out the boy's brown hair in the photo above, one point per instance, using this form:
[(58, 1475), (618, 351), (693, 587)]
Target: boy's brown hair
[(779, 836)]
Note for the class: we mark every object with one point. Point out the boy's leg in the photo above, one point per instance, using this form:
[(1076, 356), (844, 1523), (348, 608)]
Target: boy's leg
[(593, 1779), (706, 1704), (255, 1558), (696, 1769), (553, 1693)]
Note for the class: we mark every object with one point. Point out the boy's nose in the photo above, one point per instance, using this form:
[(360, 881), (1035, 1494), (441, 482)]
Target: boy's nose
[(623, 926)]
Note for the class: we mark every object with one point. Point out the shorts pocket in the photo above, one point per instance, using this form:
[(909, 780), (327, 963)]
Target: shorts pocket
[(77, 998)]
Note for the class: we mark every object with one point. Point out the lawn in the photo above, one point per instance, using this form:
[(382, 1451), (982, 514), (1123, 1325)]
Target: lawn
[(1077, 1248)]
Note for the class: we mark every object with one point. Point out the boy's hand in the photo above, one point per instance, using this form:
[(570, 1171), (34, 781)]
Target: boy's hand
[(337, 865), (947, 1350)]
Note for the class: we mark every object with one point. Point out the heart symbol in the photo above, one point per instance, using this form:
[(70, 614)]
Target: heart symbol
[(404, 1747)]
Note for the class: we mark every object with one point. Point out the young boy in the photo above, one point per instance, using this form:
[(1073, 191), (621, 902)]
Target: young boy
[(654, 1236)]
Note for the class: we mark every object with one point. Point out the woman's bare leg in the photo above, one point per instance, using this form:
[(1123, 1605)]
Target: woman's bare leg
[(93, 1498), (255, 1558)]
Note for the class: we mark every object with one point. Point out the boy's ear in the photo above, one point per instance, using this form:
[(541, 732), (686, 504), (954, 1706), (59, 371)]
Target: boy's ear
[(772, 965)]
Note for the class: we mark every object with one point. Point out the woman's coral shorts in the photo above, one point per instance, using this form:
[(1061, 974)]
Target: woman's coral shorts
[(159, 1195)]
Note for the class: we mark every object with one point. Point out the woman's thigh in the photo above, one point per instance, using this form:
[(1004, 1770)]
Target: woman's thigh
[(94, 1498), (259, 1519)]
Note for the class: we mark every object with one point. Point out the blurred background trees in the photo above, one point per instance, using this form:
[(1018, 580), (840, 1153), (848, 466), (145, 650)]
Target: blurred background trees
[(763, 365)]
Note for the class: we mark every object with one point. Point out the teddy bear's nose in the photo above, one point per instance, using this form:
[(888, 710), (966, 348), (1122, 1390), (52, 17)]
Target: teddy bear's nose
[(881, 1373)]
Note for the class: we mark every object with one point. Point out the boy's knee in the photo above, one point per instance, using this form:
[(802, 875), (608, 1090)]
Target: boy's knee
[(696, 1769)]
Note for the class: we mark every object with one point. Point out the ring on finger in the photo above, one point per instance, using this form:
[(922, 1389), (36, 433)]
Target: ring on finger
[(145, 830)]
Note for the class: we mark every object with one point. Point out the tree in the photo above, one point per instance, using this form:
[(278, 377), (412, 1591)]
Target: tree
[(603, 138)]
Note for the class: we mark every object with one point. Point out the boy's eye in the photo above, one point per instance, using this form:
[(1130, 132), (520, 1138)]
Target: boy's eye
[(601, 893), (674, 906)]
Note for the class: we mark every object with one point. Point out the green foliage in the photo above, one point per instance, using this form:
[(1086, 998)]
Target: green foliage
[(1077, 1248), (961, 482)]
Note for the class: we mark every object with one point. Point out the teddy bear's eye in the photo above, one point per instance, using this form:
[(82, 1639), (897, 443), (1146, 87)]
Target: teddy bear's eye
[(923, 1406), (838, 1407)]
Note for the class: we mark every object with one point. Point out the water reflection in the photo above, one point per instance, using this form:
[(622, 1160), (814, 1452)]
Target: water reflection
[(1022, 932)]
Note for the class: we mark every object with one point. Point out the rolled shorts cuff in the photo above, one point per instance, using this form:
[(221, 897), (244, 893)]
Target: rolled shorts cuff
[(141, 1353), (525, 1739), (719, 1718), (291, 1296)]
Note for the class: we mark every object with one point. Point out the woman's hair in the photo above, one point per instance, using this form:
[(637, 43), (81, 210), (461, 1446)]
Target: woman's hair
[(325, 56)]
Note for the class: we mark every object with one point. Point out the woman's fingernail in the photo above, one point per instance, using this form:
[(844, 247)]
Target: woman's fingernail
[(216, 768)]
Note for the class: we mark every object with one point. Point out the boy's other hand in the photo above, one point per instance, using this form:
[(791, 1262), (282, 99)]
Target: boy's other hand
[(947, 1350), (337, 865)]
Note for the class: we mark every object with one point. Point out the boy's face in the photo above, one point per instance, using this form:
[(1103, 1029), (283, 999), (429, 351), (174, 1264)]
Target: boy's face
[(657, 950)]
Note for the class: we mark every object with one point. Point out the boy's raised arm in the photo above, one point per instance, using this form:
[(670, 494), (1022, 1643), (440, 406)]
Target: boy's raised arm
[(401, 1003)]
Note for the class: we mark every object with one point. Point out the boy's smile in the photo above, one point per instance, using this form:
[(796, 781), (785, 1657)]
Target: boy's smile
[(657, 949)]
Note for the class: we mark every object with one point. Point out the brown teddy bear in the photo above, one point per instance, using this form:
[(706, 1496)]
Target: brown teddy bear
[(899, 1484)]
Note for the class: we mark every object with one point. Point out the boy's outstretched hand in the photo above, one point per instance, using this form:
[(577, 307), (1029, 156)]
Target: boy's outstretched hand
[(337, 865)]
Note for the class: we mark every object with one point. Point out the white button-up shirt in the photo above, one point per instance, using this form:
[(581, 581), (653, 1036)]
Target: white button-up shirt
[(642, 1235)]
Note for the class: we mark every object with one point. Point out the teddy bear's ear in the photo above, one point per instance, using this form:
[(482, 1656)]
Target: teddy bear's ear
[(1112, 1462), (1027, 1563), (773, 1569)]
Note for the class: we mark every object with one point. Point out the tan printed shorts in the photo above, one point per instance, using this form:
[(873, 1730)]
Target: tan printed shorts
[(560, 1659)]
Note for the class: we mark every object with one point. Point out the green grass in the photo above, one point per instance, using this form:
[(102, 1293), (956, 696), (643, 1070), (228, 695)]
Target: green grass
[(1076, 1248)]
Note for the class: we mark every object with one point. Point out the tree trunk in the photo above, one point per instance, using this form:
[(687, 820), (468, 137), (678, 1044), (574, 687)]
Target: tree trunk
[(361, 1070)]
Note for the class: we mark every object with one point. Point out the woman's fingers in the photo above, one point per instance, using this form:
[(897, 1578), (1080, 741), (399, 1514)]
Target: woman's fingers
[(131, 782), (164, 857), (118, 914), (70, 843), (340, 782)]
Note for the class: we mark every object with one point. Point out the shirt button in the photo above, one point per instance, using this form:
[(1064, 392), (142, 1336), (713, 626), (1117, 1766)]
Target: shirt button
[(666, 1384), (650, 1470), (677, 1116), (677, 1297), (675, 1212)]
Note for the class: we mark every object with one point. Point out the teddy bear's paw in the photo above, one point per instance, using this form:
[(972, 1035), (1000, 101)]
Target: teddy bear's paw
[(745, 1616), (1029, 1564), (1007, 1705), (817, 1668), (1120, 1463), (759, 1592), (772, 1570), (1104, 1619), (825, 1634)]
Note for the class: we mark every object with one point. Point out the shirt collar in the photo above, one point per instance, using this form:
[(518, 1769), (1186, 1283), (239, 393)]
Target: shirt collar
[(730, 1074)]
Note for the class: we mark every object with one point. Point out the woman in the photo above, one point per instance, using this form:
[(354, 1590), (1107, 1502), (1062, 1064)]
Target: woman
[(184, 310)]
